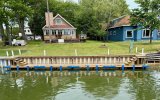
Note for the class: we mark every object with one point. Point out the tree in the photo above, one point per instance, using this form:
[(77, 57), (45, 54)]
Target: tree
[(22, 11), (147, 15), (6, 15), (39, 7), (96, 13)]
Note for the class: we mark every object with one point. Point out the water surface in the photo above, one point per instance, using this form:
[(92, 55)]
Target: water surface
[(81, 85)]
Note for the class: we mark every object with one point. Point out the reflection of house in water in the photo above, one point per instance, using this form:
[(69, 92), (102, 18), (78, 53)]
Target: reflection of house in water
[(58, 28)]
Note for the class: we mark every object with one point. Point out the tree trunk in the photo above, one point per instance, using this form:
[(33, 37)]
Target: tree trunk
[(21, 28), (8, 34), (2, 31), (150, 36)]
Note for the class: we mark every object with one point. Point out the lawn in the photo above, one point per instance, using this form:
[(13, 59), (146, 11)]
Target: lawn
[(90, 48)]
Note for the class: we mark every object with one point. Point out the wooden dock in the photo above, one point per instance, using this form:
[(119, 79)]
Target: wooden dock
[(103, 62)]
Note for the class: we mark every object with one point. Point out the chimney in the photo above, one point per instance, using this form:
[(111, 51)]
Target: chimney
[(49, 18)]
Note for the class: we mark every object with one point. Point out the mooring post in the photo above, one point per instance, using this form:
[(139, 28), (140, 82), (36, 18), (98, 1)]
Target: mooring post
[(97, 68), (17, 68), (44, 52), (123, 66), (136, 49), (108, 52), (27, 68), (87, 68), (133, 67), (51, 68), (7, 53), (12, 53), (60, 68), (20, 52)]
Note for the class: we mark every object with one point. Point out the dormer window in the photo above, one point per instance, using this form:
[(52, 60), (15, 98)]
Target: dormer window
[(58, 21)]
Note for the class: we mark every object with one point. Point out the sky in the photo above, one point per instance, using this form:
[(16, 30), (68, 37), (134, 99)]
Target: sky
[(131, 4)]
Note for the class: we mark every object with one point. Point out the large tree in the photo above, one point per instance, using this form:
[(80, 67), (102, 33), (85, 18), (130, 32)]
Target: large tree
[(37, 20), (5, 15), (22, 11), (96, 13), (146, 15)]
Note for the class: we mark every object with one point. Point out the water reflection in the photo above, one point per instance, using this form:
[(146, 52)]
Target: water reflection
[(79, 85)]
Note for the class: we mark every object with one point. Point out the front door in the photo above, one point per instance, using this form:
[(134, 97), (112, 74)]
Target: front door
[(59, 36)]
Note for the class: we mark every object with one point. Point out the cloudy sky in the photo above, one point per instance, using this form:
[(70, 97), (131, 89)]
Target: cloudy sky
[(131, 3)]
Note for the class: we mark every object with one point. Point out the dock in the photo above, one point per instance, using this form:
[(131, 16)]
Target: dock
[(74, 62)]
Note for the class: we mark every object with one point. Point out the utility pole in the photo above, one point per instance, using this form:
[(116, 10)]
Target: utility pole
[(49, 22)]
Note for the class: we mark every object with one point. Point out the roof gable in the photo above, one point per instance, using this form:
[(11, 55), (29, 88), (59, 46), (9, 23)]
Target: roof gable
[(121, 21), (64, 24)]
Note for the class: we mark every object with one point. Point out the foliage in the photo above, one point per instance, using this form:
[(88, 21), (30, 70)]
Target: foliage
[(96, 13), (147, 15), (89, 16)]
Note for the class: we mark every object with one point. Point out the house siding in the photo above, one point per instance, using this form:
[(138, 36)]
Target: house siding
[(128, 28), (119, 34), (115, 34)]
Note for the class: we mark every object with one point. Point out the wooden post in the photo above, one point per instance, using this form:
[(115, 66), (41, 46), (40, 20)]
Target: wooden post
[(12, 53), (64, 60), (20, 52), (80, 60), (88, 60), (105, 60), (40, 60), (110, 60), (9, 63), (0, 62), (101, 60), (68, 60), (5, 62), (36, 60), (44, 52), (136, 49), (7, 53), (108, 52)]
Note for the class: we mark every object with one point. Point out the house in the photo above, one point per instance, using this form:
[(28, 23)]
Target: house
[(120, 29), (28, 33), (58, 28)]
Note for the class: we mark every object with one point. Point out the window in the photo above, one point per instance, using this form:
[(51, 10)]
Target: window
[(58, 21), (53, 32), (65, 32), (28, 30), (47, 32), (146, 33), (59, 32), (69, 32), (114, 33), (129, 34)]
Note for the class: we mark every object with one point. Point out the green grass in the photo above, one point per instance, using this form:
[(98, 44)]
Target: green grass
[(35, 48)]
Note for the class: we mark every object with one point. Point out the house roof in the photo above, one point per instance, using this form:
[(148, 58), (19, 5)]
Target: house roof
[(121, 21), (63, 26)]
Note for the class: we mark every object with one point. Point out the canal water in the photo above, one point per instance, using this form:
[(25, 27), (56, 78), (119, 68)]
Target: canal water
[(81, 85)]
